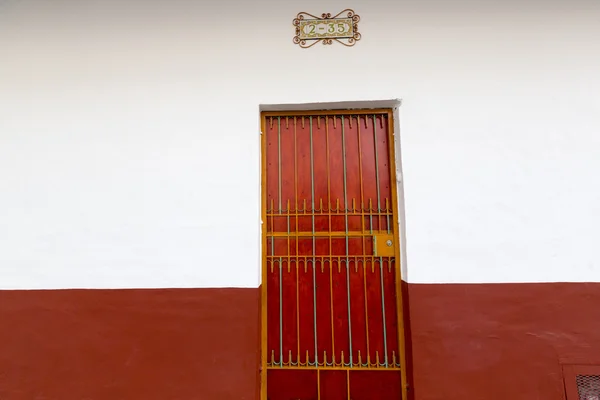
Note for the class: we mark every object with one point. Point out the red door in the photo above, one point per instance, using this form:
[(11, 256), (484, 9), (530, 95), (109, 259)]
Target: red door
[(331, 298)]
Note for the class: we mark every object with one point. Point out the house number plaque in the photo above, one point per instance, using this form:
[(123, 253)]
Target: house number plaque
[(341, 28)]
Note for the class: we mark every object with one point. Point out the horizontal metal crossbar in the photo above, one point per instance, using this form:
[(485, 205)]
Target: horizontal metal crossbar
[(321, 234), (320, 367)]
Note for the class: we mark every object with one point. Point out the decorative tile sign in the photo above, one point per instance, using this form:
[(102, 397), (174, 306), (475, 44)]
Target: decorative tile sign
[(341, 28)]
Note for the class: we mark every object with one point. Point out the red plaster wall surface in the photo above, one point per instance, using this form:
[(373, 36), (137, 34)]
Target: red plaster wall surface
[(129, 344), (500, 341), (469, 342)]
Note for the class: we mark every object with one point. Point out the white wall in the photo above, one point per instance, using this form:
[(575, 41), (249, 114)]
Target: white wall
[(129, 141)]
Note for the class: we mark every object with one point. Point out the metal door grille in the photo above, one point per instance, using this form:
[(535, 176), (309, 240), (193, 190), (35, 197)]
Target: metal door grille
[(331, 315)]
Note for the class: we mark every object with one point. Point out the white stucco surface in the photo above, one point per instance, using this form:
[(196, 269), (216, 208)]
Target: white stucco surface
[(129, 145)]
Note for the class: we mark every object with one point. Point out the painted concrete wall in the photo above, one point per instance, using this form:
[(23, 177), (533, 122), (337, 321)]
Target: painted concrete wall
[(129, 147)]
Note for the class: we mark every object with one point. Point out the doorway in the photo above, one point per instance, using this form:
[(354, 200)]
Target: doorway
[(332, 325)]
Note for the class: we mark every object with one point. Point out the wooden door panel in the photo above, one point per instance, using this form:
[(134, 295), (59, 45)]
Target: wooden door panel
[(330, 315), (333, 385)]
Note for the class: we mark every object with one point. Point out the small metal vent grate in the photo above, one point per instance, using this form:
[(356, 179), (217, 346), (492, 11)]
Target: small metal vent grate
[(588, 387)]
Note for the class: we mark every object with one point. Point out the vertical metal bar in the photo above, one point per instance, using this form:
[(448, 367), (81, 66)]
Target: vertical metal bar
[(289, 264), (273, 243), (330, 240), (279, 158), (347, 248), (370, 216), (318, 384), (370, 203), (348, 384), (362, 219), (388, 210), (312, 184), (379, 226), (331, 306), (297, 258), (383, 311), (376, 170)]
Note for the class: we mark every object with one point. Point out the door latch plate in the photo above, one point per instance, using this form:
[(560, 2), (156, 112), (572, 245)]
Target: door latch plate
[(383, 245)]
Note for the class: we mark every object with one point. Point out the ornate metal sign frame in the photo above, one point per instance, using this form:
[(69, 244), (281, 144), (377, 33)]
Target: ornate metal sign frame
[(341, 28)]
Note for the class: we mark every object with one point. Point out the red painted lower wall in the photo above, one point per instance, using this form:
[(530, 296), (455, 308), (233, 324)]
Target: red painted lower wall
[(501, 341), (472, 342), (129, 344)]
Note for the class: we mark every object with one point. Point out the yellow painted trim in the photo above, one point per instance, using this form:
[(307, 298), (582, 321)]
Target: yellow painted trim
[(263, 298), (396, 219), (325, 112)]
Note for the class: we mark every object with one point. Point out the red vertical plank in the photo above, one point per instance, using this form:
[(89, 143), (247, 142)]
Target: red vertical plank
[(323, 293), (280, 222), (273, 312), (320, 170), (355, 245), (375, 311), (391, 316), (273, 282), (369, 168), (336, 168), (357, 307), (287, 174), (353, 182), (324, 333), (321, 193), (305, 245), (272, 163), (339, 272), (355, 192), (385, 184), (338, 247), (305, 287), (290, 333), (340, 310), (290, 271), (304, 173)]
